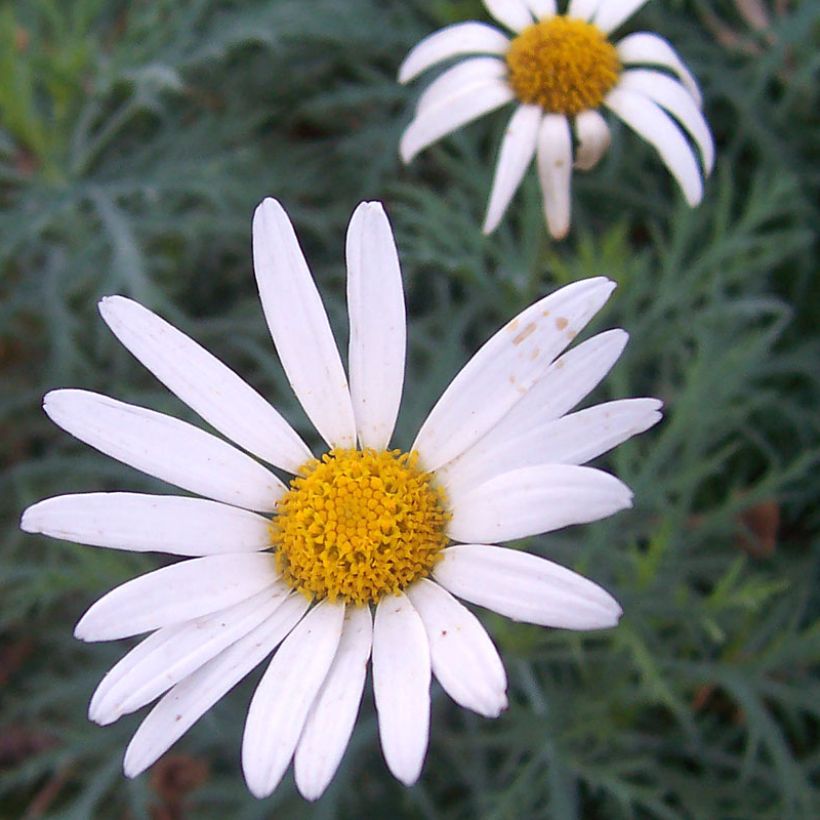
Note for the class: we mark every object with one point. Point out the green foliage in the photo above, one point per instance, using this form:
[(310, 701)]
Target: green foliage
[(135, 140)]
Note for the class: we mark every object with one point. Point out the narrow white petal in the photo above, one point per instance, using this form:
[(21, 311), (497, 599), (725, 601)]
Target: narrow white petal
[(299, 326), (573, 439), (542, 9), (570, 378), (645, 48), (165, 447), (534, 500), (464, 659), (131, 661), (205, 384), (177, 593), (451, 113), (567, 380), (401, 685), (658, 129), (593, 139), (611, 13), (178, 710), (501, 373), (514, 14), (672, 96), (515, 156), (587, 434), (285, 694), (333, 715), (148, 523), (554, 153), (583, 9), (375, 302), (462, 74), (175, 652), (452, 41), (525, 588)]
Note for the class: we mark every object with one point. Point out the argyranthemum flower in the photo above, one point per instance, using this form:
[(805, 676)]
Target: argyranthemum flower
[(359, 556), (559, 69)]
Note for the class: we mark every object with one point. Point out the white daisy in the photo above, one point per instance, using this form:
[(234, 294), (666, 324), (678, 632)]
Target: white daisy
[(560, 68), (361, 530)]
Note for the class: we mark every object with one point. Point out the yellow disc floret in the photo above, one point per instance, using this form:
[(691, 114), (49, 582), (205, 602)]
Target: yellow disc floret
[(564, 65), (356, 525)]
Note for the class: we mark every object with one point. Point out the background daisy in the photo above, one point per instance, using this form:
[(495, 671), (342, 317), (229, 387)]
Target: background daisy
[(560, 69), (363, 526)]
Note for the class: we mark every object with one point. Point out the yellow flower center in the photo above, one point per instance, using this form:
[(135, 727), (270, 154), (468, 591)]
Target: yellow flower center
[(566, 66), (357, 525)]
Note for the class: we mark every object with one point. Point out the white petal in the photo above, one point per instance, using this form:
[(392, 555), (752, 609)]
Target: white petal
[(515, 156), (672, 96), (206, 385), (452, 41), (462, 74), (534, 500), (375, 301), (464, 659), (525, 588), (542, 9), (190, 699), (658, 129), (646, 48), (505, 368), (155, 642), (299, 326), (333, 715), (149, 523), (514, 14), (587, 434), (177, 593), (175, 652), (583, 9), (285, 694), (593, 139), (567, 380), (611, 13), (401, 685), (573, 439), (555, 172), (451, 113), (165, 447)]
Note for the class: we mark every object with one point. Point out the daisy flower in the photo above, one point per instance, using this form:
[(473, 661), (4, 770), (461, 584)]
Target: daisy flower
[(559, 69), (361, 554)]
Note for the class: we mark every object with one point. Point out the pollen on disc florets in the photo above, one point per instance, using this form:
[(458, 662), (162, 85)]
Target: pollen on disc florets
[(357, 525), (564, 65)]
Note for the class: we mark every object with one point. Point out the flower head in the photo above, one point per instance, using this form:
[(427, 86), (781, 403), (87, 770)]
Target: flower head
[(559, 69), (359, 555)]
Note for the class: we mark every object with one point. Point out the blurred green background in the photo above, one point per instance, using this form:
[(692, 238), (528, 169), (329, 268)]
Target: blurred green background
[(136, 139)]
